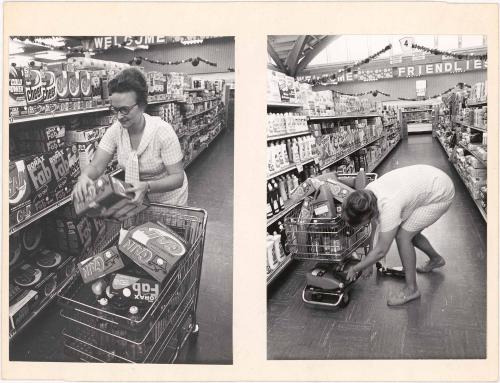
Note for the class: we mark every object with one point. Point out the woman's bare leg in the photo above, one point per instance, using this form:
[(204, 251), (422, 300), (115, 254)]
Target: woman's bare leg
[(404, 240), (423, 244)]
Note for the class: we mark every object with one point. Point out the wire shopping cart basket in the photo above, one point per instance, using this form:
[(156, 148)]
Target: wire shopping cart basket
[(332, 243), (93, 333)]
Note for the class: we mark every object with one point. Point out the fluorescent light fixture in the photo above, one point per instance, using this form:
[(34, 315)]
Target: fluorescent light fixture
[(192, 41), (50, 55), (15, 47)]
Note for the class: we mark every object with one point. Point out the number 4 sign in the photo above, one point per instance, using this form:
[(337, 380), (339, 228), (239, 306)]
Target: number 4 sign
[(406, 43)]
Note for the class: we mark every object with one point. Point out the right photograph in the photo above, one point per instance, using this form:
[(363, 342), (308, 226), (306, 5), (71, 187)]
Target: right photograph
[(376, 197)]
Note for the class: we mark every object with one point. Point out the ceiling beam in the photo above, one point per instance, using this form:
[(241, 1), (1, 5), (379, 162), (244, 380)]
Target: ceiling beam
[(314, 52), (295, 54), (275, 57)]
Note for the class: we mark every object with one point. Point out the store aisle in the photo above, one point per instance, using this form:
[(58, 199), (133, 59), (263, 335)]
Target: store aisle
[(211, 187), (449, 321)]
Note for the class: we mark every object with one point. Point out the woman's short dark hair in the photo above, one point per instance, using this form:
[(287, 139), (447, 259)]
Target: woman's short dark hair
[(358, 206), (131, 80)]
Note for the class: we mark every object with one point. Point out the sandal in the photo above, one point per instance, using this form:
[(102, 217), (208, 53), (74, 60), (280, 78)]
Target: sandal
[(401, 298), (430, 265)]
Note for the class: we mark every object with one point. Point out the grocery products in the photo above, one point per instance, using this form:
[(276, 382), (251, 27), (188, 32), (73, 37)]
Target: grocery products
[(109, 193), (100, 264), (154, 248)]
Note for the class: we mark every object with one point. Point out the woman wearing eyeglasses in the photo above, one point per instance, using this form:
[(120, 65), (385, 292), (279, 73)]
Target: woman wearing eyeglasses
[(147, 147)]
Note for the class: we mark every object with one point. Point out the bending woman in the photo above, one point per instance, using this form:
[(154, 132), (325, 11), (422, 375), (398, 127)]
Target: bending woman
[(147, 147), (401, 204)]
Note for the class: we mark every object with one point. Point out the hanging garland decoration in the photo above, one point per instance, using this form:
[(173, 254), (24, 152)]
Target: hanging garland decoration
[(460, 56), (376, 92), (193, 60), (323, 79)]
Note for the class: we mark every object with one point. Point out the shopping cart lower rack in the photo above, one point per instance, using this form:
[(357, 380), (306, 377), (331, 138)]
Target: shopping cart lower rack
[(155, 335), (333, 244)]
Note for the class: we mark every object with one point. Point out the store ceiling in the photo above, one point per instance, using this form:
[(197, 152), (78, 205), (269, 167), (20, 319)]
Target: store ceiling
[(292, 53)]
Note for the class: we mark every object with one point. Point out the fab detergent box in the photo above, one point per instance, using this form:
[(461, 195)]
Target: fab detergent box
[(21, 191), (73, 158), (21, 308), (60, 169), (42, 179)]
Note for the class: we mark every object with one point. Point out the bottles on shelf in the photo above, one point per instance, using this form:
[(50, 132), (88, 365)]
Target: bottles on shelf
[(284, 153), (285, 123)]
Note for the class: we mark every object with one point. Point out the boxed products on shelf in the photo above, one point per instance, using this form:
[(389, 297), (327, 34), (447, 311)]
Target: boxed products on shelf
[(479, 92), (20, 309), (30, 276)]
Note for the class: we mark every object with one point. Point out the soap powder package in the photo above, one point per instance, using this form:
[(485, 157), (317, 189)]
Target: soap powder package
[(156, 249), (100, 264)]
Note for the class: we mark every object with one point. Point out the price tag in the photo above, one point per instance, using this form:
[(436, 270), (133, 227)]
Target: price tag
[(300, 168)]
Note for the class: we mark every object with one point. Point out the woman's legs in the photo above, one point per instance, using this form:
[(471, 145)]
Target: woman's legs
[(406, 248), (423, 244)]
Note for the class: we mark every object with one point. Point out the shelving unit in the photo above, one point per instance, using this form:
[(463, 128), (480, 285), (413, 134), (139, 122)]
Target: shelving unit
[(337, 159), (48, 116), (474, 154), (281, 215), (382, 158), (342, 117), (288, 168), (34, 314), (477, 103), (199, 113), (198, 102), (288, 135), (283, 105), (470, 126), (44, 212), (276, 272), (200, 151)]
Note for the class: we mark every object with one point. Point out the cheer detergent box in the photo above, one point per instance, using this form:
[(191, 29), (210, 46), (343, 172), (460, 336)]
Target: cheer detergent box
[(20, 192), (154, 248)]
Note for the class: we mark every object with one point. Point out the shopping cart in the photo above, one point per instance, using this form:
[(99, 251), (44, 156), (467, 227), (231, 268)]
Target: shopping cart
[(333, 244), (160, 329)]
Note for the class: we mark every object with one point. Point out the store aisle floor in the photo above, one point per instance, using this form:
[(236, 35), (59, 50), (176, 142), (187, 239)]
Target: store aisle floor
[(210, 187), (449, 321)]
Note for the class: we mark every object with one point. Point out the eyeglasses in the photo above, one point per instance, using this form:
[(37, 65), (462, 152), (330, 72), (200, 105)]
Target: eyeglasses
[(124, 110)]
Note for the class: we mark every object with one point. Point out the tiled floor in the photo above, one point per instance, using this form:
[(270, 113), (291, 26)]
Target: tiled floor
[(211, 188), (449, 321)]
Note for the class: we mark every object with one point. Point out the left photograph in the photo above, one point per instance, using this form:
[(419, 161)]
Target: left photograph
[(120, 243)]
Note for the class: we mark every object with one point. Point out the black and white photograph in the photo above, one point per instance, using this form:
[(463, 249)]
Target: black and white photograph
[(120, 241), (377, 153)]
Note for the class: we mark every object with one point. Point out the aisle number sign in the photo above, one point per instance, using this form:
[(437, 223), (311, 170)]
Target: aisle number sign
[(406, 44), (421, 86)]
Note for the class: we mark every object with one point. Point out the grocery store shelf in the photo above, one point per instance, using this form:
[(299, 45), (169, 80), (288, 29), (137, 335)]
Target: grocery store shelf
[(281, 214), (200, 101), (470, 126), (194, 90), (342, 117), (271, 277), (417, 110), (39, 117), (379, 161), (201, 151), (478, 204), (287, 169), (337, 159), (473, 153), (164, 101), (390, 123), (44, 212), (197, 114), (288, 135), (283, 105), (34, 314), (420, 121), (477, 103)]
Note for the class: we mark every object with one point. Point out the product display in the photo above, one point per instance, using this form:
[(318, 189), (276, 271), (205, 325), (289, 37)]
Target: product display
[(129, 301)]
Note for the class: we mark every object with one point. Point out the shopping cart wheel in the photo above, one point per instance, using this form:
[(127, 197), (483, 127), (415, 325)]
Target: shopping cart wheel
[(345, 300)]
